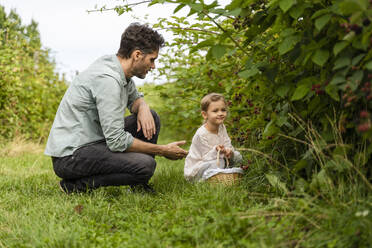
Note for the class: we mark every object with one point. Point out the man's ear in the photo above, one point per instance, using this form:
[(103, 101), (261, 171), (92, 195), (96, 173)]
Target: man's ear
[(136, 54)]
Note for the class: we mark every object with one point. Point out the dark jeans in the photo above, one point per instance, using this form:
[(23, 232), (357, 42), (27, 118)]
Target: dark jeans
[(93, 166)]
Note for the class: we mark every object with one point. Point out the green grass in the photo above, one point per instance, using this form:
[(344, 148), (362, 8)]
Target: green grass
[(35, 213)]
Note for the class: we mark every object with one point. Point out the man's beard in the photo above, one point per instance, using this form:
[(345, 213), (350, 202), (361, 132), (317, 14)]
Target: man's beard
[(141, 76), (140, 73)]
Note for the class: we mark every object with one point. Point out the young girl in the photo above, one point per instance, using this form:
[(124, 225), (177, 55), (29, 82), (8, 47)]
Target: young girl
[(209, 140)]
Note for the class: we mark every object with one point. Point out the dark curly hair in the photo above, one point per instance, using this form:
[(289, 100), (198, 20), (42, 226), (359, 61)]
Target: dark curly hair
[(139, 37)]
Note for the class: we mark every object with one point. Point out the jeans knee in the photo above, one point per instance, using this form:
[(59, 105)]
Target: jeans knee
[(149, 166)]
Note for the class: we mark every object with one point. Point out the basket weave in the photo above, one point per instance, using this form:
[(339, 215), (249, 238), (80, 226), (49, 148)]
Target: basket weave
[(227, 179)]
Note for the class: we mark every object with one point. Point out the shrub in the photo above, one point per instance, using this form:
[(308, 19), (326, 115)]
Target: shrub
[(30, 89)]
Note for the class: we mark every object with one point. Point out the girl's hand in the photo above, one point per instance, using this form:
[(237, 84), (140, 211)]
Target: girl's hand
[(220, 148), (228, 153)]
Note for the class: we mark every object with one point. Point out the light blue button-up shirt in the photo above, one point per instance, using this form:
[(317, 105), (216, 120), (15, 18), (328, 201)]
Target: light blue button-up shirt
[(92, 110)]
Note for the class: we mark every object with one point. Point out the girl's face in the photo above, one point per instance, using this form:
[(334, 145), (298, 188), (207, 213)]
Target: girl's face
[(216, 113)]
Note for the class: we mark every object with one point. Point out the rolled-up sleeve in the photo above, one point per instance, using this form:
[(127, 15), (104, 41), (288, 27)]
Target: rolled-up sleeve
[(133, 94), (107, 94)]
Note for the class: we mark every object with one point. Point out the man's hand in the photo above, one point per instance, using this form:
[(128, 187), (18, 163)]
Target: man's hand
[(173, 151), (145, 121)]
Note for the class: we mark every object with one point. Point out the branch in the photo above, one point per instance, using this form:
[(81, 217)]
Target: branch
[(127, 5), (192, 29), (228, 35)]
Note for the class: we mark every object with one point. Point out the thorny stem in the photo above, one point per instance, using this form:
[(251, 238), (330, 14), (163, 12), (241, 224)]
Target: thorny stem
[(204, 11), (127, 5), (193, 29), (228, 35)]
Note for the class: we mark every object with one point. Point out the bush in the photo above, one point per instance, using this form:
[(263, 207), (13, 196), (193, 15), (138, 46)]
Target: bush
[(296, 75), (30, 89)]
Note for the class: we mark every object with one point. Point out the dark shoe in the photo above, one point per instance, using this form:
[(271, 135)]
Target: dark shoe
[(68, 187), (143, 188)]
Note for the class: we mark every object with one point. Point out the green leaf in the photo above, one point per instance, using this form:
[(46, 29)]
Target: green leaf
[(300, 165), (218, 11), (281, 121), (298, 11), (339, 163), (322, 21), (301, 185), (276, 183), (357, 77), (196, 6), (339, 47), (270, 73), (192, 11), (248, 73), (287, 32), (288, 44), (153, 2), (320, 13), (350, 36), (179, 7), (320, 180), (209, 55), (300, 92), (350, 7), (205, 43), (270, 129), (218, 51), (282, 90), (357, 59), (337, 80), (234, 12), (341, 62), (320, 57), (368, 65), (285, 5), (341, 150), (332, 91)]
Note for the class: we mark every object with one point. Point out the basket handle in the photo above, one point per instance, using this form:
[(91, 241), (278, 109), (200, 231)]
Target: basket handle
[(218, 159)]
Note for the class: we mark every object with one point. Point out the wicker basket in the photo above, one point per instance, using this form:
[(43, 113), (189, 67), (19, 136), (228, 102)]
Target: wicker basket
[(227, 179)]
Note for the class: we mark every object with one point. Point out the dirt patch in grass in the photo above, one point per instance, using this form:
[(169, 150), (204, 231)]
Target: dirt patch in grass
[(19, 146)]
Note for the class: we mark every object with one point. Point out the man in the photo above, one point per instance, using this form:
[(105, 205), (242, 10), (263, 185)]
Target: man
[(91, 143)]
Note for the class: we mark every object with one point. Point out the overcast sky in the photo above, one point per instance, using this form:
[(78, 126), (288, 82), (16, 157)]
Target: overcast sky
[(76, 37)]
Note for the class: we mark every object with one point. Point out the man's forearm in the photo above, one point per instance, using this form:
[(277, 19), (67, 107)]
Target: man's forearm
[(170, 151), (137, 104), (146, 147)]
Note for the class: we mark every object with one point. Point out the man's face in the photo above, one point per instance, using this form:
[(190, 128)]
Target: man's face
[(144, 63)]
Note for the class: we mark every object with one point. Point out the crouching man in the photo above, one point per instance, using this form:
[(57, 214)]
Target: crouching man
[(91, 143)]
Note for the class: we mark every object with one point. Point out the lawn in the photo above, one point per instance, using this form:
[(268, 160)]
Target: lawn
[(35, 213)]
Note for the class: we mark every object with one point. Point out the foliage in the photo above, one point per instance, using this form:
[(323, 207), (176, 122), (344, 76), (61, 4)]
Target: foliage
[(296, 75), (30, 90), (35, 213)]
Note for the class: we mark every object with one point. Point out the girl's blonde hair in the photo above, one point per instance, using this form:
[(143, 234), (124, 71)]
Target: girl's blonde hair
[(211, 97)]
